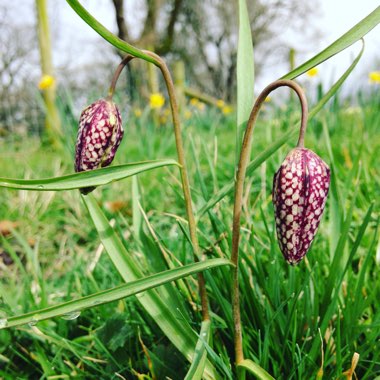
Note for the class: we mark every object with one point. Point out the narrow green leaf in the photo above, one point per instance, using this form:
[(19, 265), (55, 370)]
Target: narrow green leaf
[(263, 156), (160, 310), (245, 67), (106, 34), (330, 302), (255, 369), (90, 178), (329, 94), (116, 293), (349, 38), (200, 354)]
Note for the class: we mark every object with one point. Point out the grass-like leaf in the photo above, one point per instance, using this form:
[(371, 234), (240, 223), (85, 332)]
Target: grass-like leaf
[(90, 178), (262, 157), (353, 35), (160, 310), (200, 354), (106, 34), (114, 294), (244, 71), (255, 369)]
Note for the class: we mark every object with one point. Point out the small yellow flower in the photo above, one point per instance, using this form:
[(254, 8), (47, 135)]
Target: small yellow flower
[(156, 100), (187, 114), (374, 77), (267, 99), (227, 110), (46, 82), (220, 103), (312, 72), (194, 102), (137, 112), (201, 106)]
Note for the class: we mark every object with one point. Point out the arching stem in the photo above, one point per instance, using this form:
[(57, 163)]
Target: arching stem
[(184, 178), (238, 201), (116, 75)]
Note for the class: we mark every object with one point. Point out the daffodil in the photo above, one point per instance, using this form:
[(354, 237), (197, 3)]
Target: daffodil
[(226, 110), (194, 101), (46, 82), (312, 72), (220, 103), (374, 77), (156, 100), (201, 106), (187, 114)]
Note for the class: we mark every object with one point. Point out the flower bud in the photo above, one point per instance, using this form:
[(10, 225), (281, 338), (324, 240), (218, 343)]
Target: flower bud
[(99, 136), (300, 189)]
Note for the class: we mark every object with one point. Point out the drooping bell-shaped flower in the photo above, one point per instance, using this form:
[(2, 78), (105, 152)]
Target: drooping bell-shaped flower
[(99, 136), (300, 189)]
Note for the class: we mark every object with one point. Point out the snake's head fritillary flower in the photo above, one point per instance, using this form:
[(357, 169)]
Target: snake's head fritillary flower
[(300, 189), (99, 136)]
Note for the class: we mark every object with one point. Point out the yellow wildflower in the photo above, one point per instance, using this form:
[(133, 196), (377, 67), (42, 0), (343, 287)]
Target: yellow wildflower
[(137, 112), (374, 77), (187, 114), (220, 103), (267, 99), (46, 82), (194, 101), (201, 106), (227, 110), (156, 100), (312, 72)]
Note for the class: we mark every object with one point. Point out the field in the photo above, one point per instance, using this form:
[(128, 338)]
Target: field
[(298, 322)]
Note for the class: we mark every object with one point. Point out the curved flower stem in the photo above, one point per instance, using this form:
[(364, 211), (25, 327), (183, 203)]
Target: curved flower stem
[(239, 186), (117, 73), (181, 159), (184, 177)]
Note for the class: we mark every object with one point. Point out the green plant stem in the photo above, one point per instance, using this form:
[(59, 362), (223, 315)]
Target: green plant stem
[(53, 121), (117, 73), (184, 177), (238, 201)]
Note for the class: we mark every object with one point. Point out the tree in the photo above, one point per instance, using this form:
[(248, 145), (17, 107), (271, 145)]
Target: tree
[(204, 35)]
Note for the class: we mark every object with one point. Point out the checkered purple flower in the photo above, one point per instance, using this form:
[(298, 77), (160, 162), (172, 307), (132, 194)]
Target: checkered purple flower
[(300, 189), (99, 136)]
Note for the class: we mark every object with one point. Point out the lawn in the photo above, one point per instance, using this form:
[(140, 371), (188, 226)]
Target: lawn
[(298, 322)]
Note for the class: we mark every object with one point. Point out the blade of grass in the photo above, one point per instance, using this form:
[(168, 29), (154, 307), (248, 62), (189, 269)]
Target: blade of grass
[(90, 178), (114, 294), (200, 354), (245, 71), (353, 35), (254, 164), (255, 369), (175, 329), (334, 281)]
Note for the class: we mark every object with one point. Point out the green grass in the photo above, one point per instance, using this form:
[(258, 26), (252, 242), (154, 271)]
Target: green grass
[(334, 294)]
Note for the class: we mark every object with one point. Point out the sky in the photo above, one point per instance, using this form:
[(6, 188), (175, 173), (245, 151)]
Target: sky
[(76, 43)]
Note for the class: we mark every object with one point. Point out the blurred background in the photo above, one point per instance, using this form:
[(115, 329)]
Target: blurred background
[(197, 38)]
